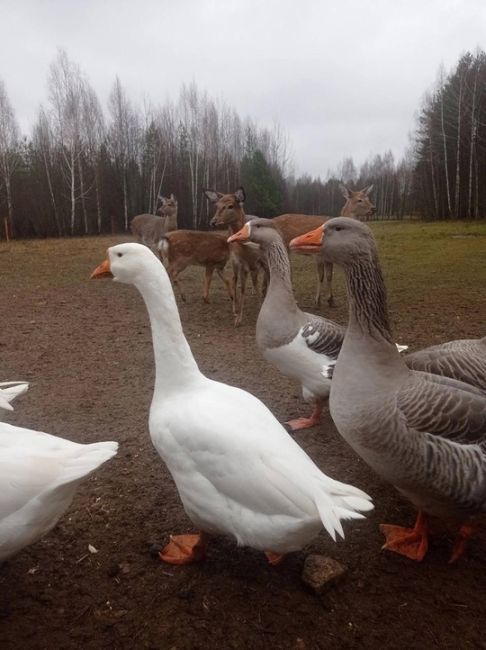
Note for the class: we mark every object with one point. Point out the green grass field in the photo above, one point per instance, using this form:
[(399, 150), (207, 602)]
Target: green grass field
[(435, 275)]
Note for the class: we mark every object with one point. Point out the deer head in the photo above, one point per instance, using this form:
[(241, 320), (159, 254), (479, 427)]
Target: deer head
[(168, 206), (228, 206), (358, 204)]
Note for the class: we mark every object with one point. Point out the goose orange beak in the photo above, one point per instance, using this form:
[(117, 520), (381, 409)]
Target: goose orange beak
[(242, 235), (102, 271), (309, 242)]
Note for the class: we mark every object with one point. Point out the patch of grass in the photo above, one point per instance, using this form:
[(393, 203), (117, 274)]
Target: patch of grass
[(436, 280), (45, 263), (435, 275)]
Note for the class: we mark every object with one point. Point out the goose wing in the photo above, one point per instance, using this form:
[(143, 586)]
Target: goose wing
[(462, 360), (323, 336), (444, 407), (240, 457)]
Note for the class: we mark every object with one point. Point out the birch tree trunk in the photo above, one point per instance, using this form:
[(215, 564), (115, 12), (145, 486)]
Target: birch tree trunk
[(446, 163), (434, 184), (472, 145), (457, 193)]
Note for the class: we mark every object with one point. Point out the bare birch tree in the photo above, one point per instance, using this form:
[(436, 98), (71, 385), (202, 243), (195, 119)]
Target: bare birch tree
[(66, 87), (44, 145), (9, 149)]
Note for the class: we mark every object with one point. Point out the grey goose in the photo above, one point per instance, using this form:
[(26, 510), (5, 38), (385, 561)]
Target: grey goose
[(297, 343), (424, 433)]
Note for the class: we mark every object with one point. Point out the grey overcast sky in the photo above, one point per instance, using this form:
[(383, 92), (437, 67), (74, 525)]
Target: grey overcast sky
[(341, 77)]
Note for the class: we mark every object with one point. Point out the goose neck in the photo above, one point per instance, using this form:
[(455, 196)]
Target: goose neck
[(280, 274), (175, 365), (368, 312)]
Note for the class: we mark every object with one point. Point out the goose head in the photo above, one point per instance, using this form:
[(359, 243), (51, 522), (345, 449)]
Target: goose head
[(259, 231), (127, 263), (340, 241)]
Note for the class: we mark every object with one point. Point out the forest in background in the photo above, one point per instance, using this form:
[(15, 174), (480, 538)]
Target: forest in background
[(84, 170)]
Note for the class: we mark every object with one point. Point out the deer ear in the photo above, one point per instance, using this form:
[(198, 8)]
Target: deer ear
[(162, 199), (173, 198), (368, 189), (212, 195), (240, 195), (344, 190)]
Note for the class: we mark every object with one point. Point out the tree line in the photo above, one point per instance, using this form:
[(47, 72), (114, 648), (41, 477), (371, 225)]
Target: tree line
[(83, 170)]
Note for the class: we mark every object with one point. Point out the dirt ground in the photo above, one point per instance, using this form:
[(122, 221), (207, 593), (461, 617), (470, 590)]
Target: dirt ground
[(85, 347)]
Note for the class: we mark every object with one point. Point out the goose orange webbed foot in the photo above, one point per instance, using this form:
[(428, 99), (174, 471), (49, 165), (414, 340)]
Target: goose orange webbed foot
[(184, 549), (410, 542), (274, 559), (306, 423)]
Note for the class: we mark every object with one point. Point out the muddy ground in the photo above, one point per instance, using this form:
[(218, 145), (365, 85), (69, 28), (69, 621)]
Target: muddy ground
[(85, 347)]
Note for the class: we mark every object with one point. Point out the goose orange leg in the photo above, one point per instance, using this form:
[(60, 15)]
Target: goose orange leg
[(306, 423), (411, 542), (184, 549), (465, 532)]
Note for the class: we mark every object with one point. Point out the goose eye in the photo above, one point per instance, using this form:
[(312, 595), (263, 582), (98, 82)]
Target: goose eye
[(338, 228), (119, 254)]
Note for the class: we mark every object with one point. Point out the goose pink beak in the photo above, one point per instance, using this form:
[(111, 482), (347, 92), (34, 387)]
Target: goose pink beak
[(309, 242), (102, 271), (242, 235)]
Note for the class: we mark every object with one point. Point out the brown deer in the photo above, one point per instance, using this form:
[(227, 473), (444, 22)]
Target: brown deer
[(244, 259), (357, 206), (149, 228), (183, 248)]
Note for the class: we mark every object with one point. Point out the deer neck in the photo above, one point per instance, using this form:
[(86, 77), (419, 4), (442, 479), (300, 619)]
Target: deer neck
[(348, 210), (238, 222)]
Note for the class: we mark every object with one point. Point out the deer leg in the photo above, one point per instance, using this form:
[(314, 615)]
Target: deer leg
[(254, 281), (208, 275), (265, 280), (235, 289), (328, 270), (239, 316), (173, 276), (320, 279), (227, 283)]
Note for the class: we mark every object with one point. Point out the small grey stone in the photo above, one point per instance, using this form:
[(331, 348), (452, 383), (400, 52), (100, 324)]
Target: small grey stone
[(321, 572)]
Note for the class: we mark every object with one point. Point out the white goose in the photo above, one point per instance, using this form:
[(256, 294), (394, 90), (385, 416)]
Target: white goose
[(237, 470), (39, 474), (423, 432), (9, 390)]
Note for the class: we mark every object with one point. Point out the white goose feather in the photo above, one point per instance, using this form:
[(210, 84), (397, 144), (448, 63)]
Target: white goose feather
[(39, 474), (237, 470), (9, 390)]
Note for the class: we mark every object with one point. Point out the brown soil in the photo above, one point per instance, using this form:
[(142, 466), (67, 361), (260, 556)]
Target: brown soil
[(86, 349)]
